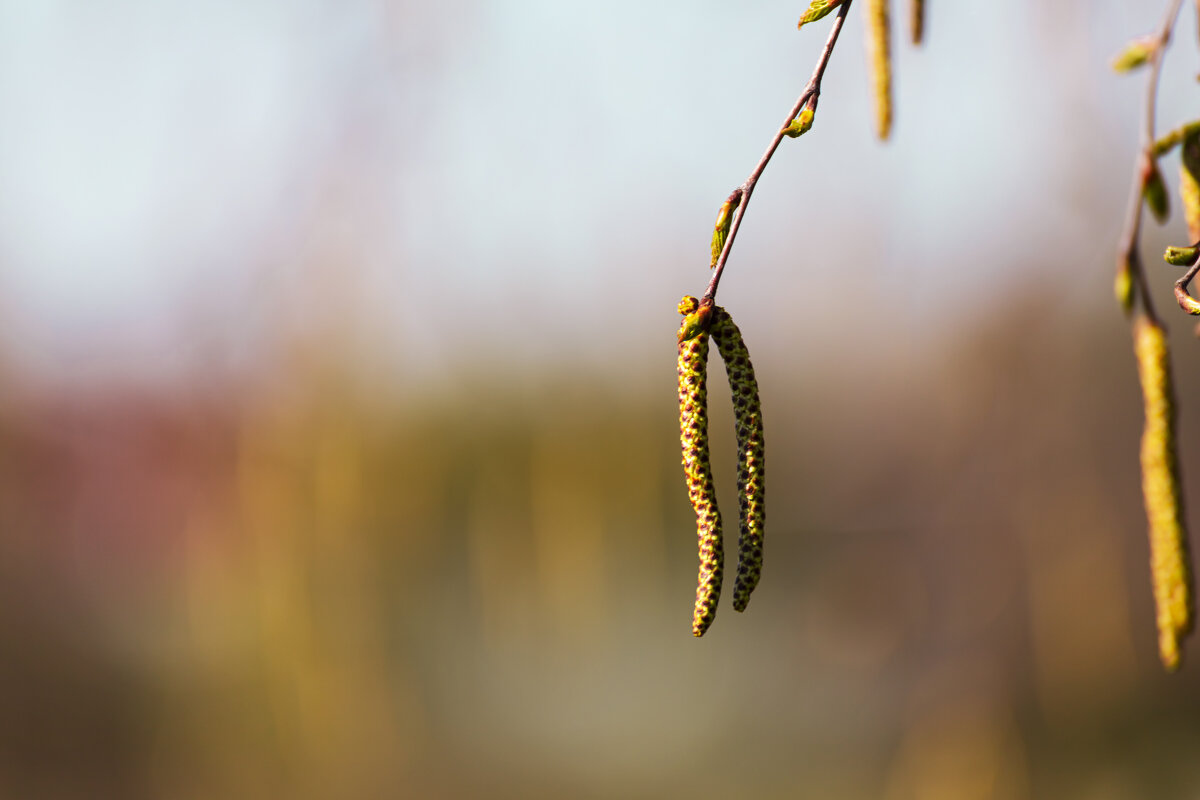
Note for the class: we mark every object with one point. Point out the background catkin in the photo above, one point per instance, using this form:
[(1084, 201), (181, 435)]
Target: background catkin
[(751, 461), (916, 11), (1189, 184), (878, 38), (693, 436), (1169, 567)]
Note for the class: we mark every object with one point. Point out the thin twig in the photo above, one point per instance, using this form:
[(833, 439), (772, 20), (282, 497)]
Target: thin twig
[(1186, 301), (811, 92), (1127, 250)]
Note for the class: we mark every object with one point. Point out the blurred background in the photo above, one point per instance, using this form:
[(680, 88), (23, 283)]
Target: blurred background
[(338, 429)]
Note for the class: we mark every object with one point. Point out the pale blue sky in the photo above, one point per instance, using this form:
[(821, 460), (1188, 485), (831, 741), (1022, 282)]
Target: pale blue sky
[(170, 170)]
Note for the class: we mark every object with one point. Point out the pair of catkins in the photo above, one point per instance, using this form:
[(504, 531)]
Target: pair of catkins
[(702, 321)]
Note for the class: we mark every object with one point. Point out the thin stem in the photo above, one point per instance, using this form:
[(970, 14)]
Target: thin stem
[(811, 92), (1186, 301), (1128, 248), (1164, 36)]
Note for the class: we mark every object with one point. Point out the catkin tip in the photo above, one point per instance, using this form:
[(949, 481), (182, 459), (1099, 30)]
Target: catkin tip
[(917, 21)]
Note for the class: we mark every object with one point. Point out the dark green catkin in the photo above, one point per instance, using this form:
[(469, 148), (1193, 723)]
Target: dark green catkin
[(748, 424)]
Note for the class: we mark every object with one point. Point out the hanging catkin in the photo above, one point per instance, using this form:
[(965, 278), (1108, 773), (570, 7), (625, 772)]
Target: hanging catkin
[(693, 437), (1189, 184), (1169, 568), (748, 424), (878, 39)]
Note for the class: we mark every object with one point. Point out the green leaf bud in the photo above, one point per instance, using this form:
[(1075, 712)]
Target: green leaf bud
[(1154, 190), (817, 10), (800, 125), (1123, 288), (1136, 53), (1181, 256)]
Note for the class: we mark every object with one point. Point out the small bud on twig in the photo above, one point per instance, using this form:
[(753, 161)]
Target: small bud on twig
[(1181, 256), (1136, 53), (1171, 140), (696, 320), (800, 125), (818, 9), (724, 220), (1123, 287), (1154, 190)]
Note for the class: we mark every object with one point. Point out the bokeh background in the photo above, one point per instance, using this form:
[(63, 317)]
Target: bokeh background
[(338, 436)]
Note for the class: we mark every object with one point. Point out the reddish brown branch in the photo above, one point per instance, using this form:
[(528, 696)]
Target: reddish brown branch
[(811, 92), (1127, 249)]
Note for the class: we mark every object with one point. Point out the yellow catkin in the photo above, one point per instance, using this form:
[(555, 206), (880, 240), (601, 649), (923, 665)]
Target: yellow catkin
[(748, 424), (878, 37), (1169, 566), (916, 10), (1189, 184), (693, 437)]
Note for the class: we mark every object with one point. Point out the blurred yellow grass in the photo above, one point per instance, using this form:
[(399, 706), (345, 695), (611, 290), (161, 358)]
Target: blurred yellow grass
[(436, 598)]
